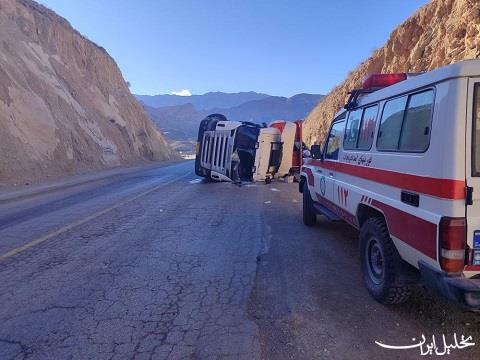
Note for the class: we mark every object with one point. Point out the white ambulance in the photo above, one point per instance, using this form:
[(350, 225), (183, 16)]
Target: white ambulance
[(401, 163)]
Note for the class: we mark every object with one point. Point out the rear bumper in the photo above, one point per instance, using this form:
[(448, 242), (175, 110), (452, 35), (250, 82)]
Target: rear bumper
[(462, 291)]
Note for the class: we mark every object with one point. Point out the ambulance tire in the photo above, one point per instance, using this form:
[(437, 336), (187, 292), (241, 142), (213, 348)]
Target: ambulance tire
[(309, 214), (380, 259)]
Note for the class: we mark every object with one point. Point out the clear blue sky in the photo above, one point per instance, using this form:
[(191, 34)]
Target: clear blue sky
[(278, 47)]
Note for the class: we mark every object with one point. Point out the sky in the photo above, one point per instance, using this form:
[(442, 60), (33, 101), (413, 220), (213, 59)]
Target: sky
[(278, 47)]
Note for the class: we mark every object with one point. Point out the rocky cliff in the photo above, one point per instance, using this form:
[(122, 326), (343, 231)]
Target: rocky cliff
[(64, 105), (440, 33)]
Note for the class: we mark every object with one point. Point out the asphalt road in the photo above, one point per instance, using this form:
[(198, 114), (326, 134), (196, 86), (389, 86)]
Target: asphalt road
[(153, 263)]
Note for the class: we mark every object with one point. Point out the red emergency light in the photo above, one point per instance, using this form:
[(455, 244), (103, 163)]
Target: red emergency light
[(374, 81)]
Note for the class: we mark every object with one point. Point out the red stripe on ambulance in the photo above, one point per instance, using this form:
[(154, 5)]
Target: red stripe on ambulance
[(310, 177), (442, 188), (341, 213), (414, 231)]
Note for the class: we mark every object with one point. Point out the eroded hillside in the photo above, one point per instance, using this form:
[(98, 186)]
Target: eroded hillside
[(64, 105), (440, 33)]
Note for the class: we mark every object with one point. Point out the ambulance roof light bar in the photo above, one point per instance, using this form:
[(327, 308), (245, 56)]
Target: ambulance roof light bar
[(374, 82)]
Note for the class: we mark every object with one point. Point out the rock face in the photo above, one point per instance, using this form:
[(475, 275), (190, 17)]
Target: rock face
[(64, 105), (440, 33)]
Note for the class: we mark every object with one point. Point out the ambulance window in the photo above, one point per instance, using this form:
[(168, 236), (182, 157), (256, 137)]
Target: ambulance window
[(416, 125), (351, 130), (391, 124), (333, 141), (367, 129), (476, 132)]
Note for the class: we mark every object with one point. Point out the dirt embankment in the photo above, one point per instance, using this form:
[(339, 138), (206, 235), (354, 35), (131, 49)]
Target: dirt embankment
[(440, 33), (64, 105)]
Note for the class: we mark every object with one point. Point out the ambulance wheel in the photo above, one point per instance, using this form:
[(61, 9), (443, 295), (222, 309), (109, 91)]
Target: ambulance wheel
[(309, 214), (379, 259)]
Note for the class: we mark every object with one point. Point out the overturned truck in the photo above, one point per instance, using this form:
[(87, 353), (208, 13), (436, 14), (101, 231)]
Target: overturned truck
[(244, 151)]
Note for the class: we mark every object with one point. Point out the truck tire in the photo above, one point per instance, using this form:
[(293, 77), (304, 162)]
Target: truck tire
[(309, 214), (380, 259)]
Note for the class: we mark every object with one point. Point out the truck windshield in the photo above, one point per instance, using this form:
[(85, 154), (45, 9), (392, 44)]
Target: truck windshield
[(476, 132)]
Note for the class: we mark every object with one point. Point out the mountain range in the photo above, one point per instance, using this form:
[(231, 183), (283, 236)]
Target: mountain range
[(206, 101), (179, 116)]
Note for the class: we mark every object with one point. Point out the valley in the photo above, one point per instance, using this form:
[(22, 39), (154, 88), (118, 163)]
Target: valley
[(179, 116)]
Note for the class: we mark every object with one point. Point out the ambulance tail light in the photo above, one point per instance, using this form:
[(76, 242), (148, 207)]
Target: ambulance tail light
[(452, 244), (375, 81)]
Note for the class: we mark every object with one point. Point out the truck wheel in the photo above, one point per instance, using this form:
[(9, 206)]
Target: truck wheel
[(379, 259), (309, 215)]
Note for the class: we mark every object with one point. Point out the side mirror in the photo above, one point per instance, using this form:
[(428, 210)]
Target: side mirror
[(316, 151)]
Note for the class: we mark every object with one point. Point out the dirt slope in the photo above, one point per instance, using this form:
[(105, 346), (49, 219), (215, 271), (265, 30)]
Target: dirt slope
[(64, 105), (440, 33)]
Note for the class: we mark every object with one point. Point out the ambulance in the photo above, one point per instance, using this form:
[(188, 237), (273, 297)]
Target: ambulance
[(401, 163)]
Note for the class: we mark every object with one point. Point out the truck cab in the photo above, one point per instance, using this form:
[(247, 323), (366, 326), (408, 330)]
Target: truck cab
[(237, 151)]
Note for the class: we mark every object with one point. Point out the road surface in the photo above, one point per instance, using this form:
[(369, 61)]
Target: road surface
[(153, 263)]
